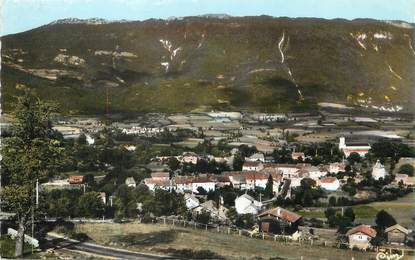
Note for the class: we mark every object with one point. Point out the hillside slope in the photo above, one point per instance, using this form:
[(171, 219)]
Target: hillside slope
[(253, 63)]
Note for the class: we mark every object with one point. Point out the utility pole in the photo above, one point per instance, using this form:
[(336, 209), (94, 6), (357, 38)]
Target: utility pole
[(37, 193)]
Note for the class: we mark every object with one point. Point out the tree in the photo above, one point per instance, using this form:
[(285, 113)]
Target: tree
[(384, 220), (238, 162), (407, 169), (31, 153), (349, 213), (81, 139), (173, 163), (203, 217), (201, 190), (90, 205), (354, 158), (269, 192), (332, 201)]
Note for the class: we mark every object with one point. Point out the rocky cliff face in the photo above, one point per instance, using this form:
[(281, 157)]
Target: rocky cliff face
[(255, 63)]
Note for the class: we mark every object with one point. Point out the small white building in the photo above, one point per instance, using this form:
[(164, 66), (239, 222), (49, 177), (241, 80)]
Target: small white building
[(188, 157), (191, 201), (130, 148), (90, 140), (378, 171), (297, 155), (330, 183), (361, 236), (245, 204), (252, 166), (256, 157)]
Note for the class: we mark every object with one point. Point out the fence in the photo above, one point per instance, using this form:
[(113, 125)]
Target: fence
[(295, 239)]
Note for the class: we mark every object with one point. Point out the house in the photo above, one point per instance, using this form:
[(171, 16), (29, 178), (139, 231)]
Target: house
[(252, 179), (245, 204), (314, 172), (347, 148), (361, 236), (130, 182), (288, 170), (75, 179), (103, 197), (89, 139), (188, 157), (204, 182), (330, 183), (378, 171), (256, 157), (218, 213), (297, 156), (154, 184), (160, 175), (397, 234), (337, 167), (252, 166), (238, 181), (405, 178), (279, 221), (191, 201), (130, 148), (222, 181), (183, 183)]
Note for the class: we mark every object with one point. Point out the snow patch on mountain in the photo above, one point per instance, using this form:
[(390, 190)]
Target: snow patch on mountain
[(382, 35), (173, 53), (410, 43), (280, 47), (393, 72), (282, 50), (360, 38)]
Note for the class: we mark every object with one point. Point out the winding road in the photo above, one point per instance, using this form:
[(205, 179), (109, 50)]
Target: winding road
[(91, 248)]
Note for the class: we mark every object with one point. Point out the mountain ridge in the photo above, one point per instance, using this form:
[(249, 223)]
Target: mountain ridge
[(258, 63)]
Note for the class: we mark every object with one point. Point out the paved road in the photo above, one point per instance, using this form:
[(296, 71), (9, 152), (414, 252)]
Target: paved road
[(87, 247)]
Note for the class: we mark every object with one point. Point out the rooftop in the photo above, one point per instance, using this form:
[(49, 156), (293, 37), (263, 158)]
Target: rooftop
[(365, 229), (282, 214)]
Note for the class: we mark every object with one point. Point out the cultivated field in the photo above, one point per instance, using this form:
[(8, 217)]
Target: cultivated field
[(160, 239), (402, 209)]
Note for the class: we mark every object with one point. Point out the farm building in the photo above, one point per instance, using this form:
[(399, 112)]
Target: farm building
[(279, 221)]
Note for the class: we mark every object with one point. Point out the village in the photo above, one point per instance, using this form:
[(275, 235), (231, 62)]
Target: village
[(264, 174)]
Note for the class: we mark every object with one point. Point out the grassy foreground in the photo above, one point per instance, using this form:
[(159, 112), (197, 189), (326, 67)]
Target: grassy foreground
[(176, 241)]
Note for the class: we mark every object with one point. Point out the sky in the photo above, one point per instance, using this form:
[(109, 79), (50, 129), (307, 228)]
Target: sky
[(21, 15)]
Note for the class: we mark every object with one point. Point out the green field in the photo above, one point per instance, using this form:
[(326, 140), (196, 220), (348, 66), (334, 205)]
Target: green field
[(402, 209)]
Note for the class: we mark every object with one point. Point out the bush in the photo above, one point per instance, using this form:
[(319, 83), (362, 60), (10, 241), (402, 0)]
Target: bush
[(192, 254)]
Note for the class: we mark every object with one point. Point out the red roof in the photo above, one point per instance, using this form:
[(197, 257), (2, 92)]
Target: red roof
[(157, 182), (252, 175), (76, 179), (286, 165), (251, 164), (328, 180), (183, 179), (160, 175), (365, 229), (282, 214)]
